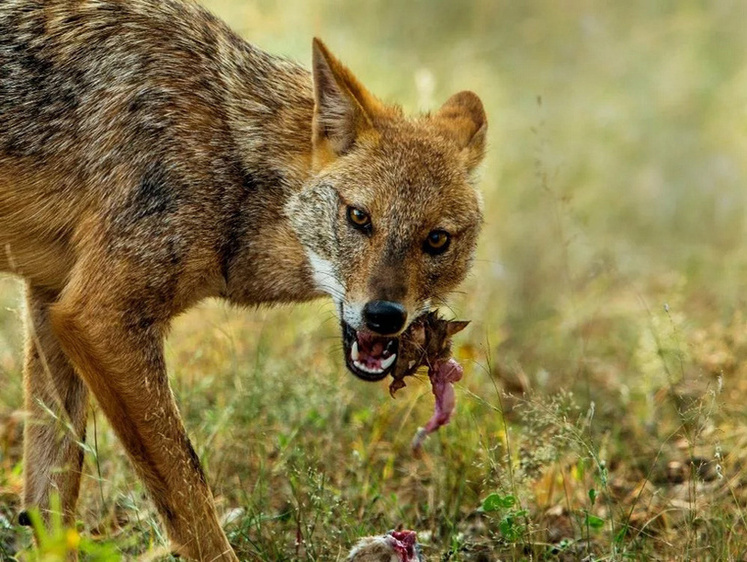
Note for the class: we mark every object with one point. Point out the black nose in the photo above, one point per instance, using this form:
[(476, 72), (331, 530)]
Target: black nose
[(384, 317)]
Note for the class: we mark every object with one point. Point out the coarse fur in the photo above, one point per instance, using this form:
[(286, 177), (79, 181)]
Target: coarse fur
[(150, 158)]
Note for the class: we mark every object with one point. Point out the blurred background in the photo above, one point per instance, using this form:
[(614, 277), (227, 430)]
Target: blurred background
[(607, 346)]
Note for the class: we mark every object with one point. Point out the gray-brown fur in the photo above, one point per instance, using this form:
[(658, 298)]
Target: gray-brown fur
[(150, 158)]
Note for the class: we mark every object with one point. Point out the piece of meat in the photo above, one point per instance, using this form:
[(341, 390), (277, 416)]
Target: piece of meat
[(442, 385), (428, 343), (395, 546)]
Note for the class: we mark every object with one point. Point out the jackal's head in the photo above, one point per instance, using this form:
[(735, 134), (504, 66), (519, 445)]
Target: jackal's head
[(390, 217)]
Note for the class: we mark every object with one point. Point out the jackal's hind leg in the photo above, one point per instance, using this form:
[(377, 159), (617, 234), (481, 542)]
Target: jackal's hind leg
[(56, 406)]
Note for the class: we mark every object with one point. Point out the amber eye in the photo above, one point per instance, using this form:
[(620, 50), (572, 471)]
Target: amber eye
[(359, 219), (437, 242)]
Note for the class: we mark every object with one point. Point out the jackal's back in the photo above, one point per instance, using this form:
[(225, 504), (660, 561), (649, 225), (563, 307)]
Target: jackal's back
[(129, 109), (94, 74)]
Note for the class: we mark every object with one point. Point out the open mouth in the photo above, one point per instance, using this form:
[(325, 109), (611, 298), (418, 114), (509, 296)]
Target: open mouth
[(368, 356)]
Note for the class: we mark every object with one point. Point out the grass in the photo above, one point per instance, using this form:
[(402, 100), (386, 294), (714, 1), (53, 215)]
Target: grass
[(601, 415)]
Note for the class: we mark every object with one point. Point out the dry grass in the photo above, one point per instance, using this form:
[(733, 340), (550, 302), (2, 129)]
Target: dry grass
[(602, 411)]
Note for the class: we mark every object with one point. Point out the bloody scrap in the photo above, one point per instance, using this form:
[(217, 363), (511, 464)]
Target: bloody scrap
[(401, 546), (428, 343)]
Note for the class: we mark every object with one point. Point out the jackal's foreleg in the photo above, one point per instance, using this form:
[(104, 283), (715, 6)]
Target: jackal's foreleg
[(116, 344), (56, 406)]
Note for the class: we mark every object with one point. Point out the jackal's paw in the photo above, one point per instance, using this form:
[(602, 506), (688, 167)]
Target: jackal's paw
[(24, 519)]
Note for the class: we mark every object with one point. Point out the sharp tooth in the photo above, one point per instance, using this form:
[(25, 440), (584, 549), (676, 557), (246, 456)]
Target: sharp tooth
[(354, 351), (367, 369), (386, 363)]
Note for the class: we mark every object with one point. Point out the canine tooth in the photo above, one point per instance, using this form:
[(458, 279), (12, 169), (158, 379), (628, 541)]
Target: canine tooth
[(386, 363), (354, 351), (363, 367)]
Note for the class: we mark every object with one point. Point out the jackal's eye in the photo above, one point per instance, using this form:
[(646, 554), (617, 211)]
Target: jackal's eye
[(437, 242), (359, 219)]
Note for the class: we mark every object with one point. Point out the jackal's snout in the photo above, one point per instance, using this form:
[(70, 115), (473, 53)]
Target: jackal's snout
[(384, 317)]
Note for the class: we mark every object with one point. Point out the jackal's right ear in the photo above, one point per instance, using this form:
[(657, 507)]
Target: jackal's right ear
[(463, 118), (343, 109)]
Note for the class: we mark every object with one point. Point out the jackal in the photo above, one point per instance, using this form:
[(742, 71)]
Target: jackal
[(150, 158)]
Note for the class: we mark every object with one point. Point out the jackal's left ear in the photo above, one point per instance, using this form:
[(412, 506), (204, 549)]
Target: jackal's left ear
[(343, 109), (463, 118)]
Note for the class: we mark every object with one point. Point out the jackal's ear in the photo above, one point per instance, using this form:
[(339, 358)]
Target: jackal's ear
[(456, 326), (343, 108), (463, 118)]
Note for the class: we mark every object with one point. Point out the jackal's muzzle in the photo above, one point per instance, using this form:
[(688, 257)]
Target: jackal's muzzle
[(368, 356)]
